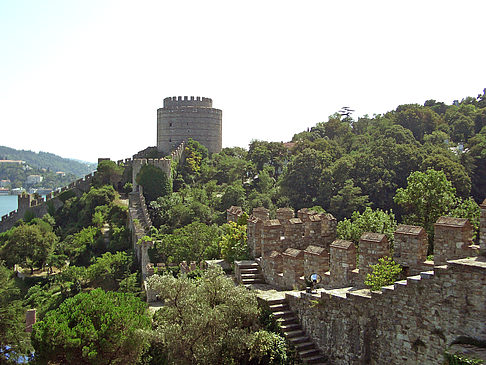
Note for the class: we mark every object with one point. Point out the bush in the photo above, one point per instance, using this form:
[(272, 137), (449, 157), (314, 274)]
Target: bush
[(385, 272)]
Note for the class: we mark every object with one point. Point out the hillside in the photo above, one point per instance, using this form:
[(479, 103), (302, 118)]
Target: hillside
[(48, 161)]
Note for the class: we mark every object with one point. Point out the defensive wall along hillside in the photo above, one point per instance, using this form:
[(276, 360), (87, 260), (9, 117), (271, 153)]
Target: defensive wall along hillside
[(41, 206), (413, 321)]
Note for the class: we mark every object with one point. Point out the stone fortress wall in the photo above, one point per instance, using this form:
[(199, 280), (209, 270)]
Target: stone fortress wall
[(410, 322), (40, 206), (189, 117)]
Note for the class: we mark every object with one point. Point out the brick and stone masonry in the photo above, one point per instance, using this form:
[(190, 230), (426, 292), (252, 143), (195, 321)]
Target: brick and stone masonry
[(293, 267), (452, 239), (372, 246), (316, 260), (186, 117), (410, 248), (271, 237), (342, 263)]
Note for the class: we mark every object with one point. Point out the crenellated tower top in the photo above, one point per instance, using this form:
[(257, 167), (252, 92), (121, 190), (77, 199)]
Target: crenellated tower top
[(174, 102)]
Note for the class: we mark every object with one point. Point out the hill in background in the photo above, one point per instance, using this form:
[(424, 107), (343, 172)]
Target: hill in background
[(49, 161)]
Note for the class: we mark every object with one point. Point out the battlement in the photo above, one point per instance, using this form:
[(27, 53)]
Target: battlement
[(39, 206), (187, 101), (314, 234), (411, 321)]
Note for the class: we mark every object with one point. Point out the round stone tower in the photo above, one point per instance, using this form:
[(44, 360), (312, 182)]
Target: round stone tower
[(186, 117)]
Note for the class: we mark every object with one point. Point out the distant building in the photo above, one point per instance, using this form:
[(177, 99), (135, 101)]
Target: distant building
[(34, 179), (60, 173), (18, 162), (5, 183)]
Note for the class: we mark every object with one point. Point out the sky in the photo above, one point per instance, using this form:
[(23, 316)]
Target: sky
[(84, 79)]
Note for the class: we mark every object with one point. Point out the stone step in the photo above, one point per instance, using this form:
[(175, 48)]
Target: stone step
[(413, 279), (253, 270), (292, 334), (247, 265), (304, 345), (251, 281), (318, 359), (299, 340), (287, 320), (282, 314), (308, 353), (278, 307), (276, 301), (427, 274), (290, 327), (400, 284), (251, 276)]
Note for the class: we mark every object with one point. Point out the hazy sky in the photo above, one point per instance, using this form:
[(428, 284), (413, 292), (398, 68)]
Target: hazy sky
[(83, 79)]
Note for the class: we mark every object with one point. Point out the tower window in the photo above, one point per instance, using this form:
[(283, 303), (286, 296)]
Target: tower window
[(170, 124), (170, 139)]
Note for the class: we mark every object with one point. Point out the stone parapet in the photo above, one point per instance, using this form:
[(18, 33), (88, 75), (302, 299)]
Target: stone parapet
[(316, 260), (342, 263), (410, 322), (293, 267), (372, 246), (452, 239), (410, 247), (271, 237)]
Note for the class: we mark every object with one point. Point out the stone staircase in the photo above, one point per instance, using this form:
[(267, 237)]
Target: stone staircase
[(306, 349), (248, 272)]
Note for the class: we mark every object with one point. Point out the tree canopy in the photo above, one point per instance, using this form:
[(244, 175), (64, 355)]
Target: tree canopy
[(92, 328)]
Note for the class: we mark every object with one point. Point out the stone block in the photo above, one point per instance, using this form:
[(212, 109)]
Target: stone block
[(372, 246), (452, 239), (410, 247), (316, 260), (341, 264)]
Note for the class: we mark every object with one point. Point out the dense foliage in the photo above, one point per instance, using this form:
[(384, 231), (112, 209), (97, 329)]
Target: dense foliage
[(385, 272), (96, 327), (212, 321), (13, 338)]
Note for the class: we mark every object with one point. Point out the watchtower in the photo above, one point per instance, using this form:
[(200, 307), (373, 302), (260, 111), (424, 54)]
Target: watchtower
[(186, 117)]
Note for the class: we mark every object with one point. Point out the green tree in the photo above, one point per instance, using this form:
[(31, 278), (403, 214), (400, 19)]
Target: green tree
[(420, 120), (477, 152), (194, 242), (154, 181), (428, 196), (108, 173), (29, 245), (454, 171), (385, 272), (234, 242), (92, 328), (370, 220), (13, 338), (301, 180), (210, 321), (347, 200), (108, 270)]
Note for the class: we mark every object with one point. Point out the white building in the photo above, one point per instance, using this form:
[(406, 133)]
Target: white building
[(34, 179)]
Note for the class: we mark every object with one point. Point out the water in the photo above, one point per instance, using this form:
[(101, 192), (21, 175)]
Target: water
[(7, 204)]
